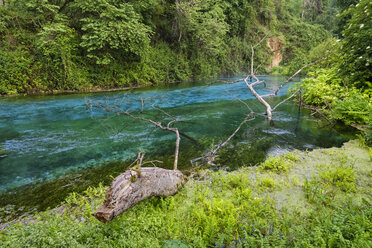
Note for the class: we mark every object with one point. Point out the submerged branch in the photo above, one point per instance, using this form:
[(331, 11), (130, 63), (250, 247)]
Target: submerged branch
[(249, 117), (286, 99)]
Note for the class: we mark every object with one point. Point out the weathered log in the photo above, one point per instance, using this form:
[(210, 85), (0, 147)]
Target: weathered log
[(134, 186)]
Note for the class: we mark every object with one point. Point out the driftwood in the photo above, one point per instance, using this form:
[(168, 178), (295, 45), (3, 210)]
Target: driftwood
[(133, 186)]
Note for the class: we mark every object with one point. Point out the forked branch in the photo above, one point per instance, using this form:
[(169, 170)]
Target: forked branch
[(167, 127), (259, 97)]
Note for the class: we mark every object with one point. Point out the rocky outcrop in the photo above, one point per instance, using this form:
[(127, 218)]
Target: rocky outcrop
[(275, 46)]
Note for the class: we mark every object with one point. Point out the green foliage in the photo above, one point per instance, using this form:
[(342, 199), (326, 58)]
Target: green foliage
[(79, 45), (279, 164), (57, 47), (338, 175), (268, 183), (356, 46), (355, 108), (223, 209), (317, 192), (300, 38), (327, 90), (17, 71), (176, 243), (322, 189), (342, 177), (112, 30)]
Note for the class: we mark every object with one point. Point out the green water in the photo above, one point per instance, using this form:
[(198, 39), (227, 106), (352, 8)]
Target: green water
[(50, 138)]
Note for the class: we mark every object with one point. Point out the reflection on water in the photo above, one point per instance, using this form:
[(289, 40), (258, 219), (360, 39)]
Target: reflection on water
[(50, 136)]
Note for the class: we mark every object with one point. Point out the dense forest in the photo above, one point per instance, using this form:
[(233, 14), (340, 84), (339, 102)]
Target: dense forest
[(48, 45)]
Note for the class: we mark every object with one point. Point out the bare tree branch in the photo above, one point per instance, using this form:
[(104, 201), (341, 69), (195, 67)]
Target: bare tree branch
[(257, 83), (236, 98), (260, 98), (286, 99), (116, 110), (261, 41), (299, 71), (248, 117)]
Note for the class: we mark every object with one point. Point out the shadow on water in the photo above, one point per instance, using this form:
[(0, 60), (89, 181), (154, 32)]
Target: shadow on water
[(57, 146)]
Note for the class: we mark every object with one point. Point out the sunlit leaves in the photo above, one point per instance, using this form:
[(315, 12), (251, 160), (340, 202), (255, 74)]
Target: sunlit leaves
[(112, 31), (356, 46)]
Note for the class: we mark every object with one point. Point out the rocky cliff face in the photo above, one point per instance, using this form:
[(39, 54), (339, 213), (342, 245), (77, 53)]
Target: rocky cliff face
[(275, 46)]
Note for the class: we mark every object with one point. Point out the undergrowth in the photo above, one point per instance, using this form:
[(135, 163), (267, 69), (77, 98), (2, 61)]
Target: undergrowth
[(221, 209), (280, 164)]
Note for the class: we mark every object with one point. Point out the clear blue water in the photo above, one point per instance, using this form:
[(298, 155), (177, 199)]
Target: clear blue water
[(51, 136)]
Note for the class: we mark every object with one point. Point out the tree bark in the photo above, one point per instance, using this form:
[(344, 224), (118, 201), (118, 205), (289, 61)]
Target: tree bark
[(254, 92), (178, 140), (134, 186)]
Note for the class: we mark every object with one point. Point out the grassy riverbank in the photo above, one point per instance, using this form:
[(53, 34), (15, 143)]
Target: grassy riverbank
[(307, 199)]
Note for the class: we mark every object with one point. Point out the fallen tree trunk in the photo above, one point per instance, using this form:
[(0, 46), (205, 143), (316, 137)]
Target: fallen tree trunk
[(134, 186)]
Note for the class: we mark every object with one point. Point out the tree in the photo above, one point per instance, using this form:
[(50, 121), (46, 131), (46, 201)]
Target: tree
[(112, 31), (356, 63)]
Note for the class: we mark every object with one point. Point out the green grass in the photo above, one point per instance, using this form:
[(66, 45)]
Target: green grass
[(322, 200)]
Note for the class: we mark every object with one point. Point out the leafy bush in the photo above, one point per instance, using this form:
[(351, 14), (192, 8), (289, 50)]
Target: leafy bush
[(356, 108), (326, 89), (277, 164), (356, 46), (341, 177), (268, 183)]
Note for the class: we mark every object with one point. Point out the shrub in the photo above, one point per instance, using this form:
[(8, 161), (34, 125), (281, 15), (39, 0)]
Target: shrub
[(280, 164), (342, 177)]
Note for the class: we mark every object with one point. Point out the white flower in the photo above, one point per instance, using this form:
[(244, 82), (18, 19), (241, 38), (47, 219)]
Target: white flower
[(361, 25), (368, 47), (338, 40), (360, 57)]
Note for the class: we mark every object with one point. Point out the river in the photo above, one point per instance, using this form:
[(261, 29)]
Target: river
[(48, 137)]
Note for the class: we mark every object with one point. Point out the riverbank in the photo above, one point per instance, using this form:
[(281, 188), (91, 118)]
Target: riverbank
[(66, 92), (133, 87), (302, 199)]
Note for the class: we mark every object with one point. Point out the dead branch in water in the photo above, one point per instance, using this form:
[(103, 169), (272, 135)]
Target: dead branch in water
[(251, 80), (117, 110)]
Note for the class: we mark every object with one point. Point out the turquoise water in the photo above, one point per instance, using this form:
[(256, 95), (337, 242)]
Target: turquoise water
[(51, 136)]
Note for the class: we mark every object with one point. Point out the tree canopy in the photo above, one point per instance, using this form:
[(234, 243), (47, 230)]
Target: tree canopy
[(51, 45)]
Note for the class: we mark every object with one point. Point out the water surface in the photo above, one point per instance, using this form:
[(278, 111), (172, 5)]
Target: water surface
[(51, 136)]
